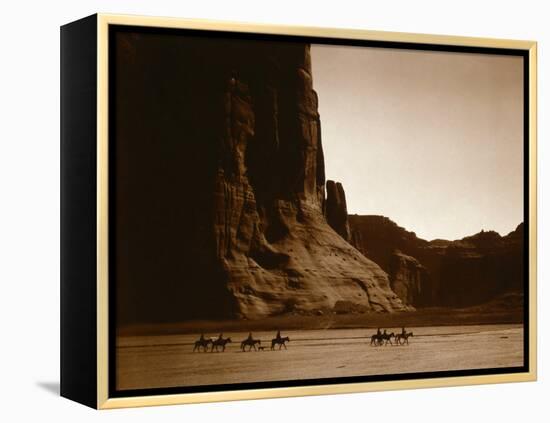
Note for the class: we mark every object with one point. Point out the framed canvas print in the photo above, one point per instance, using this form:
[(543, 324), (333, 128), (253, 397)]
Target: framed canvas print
[(256, 211)]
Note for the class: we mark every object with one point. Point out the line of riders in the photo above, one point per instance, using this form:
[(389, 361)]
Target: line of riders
[(250, 342), (378, 339), (385, 338)]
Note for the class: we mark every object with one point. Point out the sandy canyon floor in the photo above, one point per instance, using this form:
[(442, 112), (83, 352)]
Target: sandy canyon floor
[(169, 360)]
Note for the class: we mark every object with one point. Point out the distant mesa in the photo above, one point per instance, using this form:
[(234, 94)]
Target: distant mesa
[(441, 273), (408, 278)]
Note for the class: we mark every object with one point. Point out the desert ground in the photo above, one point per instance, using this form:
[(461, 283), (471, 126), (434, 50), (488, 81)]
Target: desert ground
[(157, 361)]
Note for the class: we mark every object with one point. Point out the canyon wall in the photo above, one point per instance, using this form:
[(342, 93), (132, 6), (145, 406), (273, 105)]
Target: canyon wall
[(459, 273), (220, 194), (336, 209)]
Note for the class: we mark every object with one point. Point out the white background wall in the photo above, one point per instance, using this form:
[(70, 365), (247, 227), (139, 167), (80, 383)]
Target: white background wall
[(29, 209)]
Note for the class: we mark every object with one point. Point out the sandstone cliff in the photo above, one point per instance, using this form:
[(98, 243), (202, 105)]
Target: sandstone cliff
[(277, 252), (464, 272), (408, 278), (336, 209), (480, 267), (219, 149)]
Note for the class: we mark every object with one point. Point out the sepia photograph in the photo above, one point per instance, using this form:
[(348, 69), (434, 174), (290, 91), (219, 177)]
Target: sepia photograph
[(286, 211)]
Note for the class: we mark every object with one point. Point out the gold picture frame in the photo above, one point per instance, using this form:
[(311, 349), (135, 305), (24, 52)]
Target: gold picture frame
[(79, 385)]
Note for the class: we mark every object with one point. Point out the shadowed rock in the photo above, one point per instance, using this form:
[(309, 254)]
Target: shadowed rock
[(219, 149), (336, 209), (408, 278), (276, 249), (458, 273)]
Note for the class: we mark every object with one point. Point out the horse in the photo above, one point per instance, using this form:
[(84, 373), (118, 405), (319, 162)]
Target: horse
[(403, 338), (204, 343), (381, 339), (387, 337), (376, 339), (219, 342), (281, 341), (251, 343)]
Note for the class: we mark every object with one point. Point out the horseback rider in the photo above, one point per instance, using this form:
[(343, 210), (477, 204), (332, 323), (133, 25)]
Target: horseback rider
[(403, 331), (279, 340), (378, 333), (249, 337), (201, 339)]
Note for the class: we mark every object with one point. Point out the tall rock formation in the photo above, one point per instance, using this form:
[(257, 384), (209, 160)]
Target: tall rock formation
[(277, 252), (227, 171), (336, 209)]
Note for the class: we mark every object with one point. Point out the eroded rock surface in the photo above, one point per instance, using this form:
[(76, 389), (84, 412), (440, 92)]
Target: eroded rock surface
[(336, 209), (276, 248), (408, 278), (218, 146), (465, 272)]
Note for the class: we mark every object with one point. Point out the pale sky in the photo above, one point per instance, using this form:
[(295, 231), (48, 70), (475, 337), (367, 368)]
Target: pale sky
[(432, 140)]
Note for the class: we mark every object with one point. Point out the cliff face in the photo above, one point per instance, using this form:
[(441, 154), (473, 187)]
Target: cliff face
[(233, 197), (277, 252), (459, 273), (378, 237), (480, 267), (408, 278), (336, 209)]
